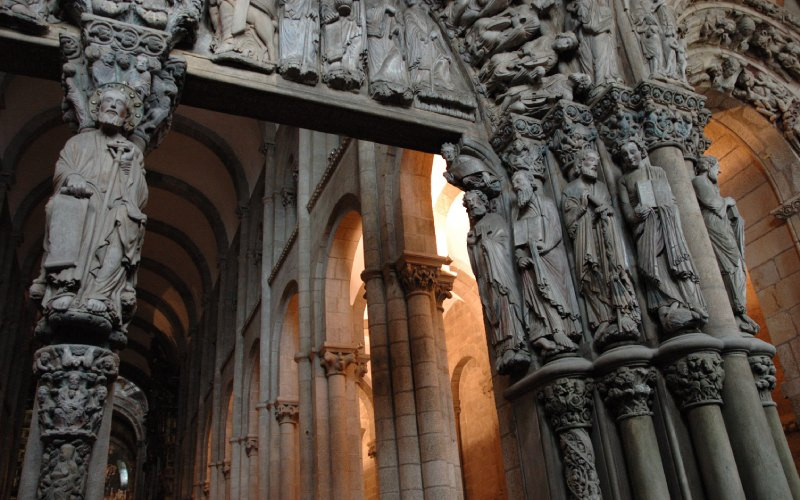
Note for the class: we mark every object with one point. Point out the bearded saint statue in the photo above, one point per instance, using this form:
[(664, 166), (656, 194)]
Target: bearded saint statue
[(95, 225)]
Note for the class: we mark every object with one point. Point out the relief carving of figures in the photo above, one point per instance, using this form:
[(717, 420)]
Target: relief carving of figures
[(161, 103), (386, 62), (245, 33), (489, 242), (95, 225), (27, 15), (76, 83), (661, 43), (343, 43), (546, 288), (604, 280), (436, 82), (647, 202), (299, 41), (461, 14), (726, 230), (537, 99), (502, 33), (593, 23), (765, 95)]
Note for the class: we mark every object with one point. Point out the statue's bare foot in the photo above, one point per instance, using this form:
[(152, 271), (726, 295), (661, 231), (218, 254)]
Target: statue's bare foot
[(61, 303), (96, 306)]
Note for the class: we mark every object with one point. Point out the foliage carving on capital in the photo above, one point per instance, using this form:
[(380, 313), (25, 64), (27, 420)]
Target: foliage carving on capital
[(567, 402), (287, 412), (696, 379), (416, 277), (764, 372), (628, 391)]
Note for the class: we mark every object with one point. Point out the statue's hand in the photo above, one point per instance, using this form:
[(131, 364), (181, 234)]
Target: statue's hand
[(524, 262), (76, 186)]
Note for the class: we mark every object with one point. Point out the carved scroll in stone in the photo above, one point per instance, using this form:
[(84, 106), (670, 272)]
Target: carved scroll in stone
[(726, 230), (299, 40), (552, 319), (245, 33), (386, 47), (603, 277), (343, 44), (663, 258)]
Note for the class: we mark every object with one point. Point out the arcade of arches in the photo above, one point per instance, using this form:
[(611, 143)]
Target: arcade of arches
[(311, 318)]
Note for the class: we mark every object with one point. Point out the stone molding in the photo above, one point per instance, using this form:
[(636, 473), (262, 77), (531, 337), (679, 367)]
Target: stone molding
[(696, 379), (628, 391), (764, 372), (287, 412)]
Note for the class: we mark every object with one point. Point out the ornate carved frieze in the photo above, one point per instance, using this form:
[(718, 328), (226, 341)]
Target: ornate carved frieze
[(696, 379), (628, 391), (287, 412), (568, 405), (764, 373), (73, 387)]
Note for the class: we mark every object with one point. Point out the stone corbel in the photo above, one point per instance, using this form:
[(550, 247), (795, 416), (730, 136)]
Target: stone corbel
[(337, 359), (251, 445), (444, 287), (787, 209)]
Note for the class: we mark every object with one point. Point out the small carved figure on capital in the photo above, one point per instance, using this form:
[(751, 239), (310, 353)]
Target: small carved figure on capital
[(726, 229), (696, 379), (764, 372), (490, 248), (551, 317), (95, 224), (604, 280), (672, 285), (629, 391)]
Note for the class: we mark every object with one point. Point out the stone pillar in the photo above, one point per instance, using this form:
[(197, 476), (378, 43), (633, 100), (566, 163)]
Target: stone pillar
[(336, 361), (286, 413), (764, 372), (418, 276), (567, 402), (628, 392), (252, 476)]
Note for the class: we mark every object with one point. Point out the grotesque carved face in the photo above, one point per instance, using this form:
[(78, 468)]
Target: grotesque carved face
[(589, 160), (114, 109), (631, 155)]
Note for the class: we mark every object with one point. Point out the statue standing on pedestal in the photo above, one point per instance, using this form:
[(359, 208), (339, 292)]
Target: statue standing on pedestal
[(95, 224), (726, 229), (551, 318), (604, 280), (673, 291)]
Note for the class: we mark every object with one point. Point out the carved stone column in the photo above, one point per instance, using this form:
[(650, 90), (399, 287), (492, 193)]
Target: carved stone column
[(418, 276), (628, 392), (336, 361), (764, 373), (287, 414), (567, 403)]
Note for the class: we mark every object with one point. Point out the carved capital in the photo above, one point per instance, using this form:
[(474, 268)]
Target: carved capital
[(568, 403), (336, 360), (251, 445), (628, 391), (287, 412), (415, 277), (764, 373), (696, 379), (444, 287), (570, 128), (361, 365)]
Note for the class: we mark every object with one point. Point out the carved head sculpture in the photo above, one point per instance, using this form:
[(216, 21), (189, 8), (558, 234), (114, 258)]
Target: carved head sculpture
[(708, 165), (586, 163), (525, 184), (565, 42), (730, 67), (67, 451), (633, 153), (116, 107), (476, 203)]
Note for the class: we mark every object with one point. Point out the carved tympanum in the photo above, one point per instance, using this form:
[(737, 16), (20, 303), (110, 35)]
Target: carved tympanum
[(603, 277), (664, 261), (726, 229)]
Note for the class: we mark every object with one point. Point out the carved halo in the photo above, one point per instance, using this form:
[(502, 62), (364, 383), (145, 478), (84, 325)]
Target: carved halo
[(136, 113)]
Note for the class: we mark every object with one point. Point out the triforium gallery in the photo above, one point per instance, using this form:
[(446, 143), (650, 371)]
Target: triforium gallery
[(399, 249)]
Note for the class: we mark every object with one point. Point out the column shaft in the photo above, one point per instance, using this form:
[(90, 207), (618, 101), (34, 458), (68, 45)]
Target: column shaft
[(337, 423), (643, 459), (714, 453)]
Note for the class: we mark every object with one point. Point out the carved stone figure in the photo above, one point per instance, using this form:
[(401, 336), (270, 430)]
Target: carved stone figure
[(766, 96), (27, 15), (299, 41), (461, 14), (95, 224), (437, 85), (593, 23), (603, 277), (536, 100), (489, 244), (160, 104), (502, 33), (388, 75), (652, 47), (726, 230), (343, 43), (552, 321), (245, 32), (76, 83), (647, 202)]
